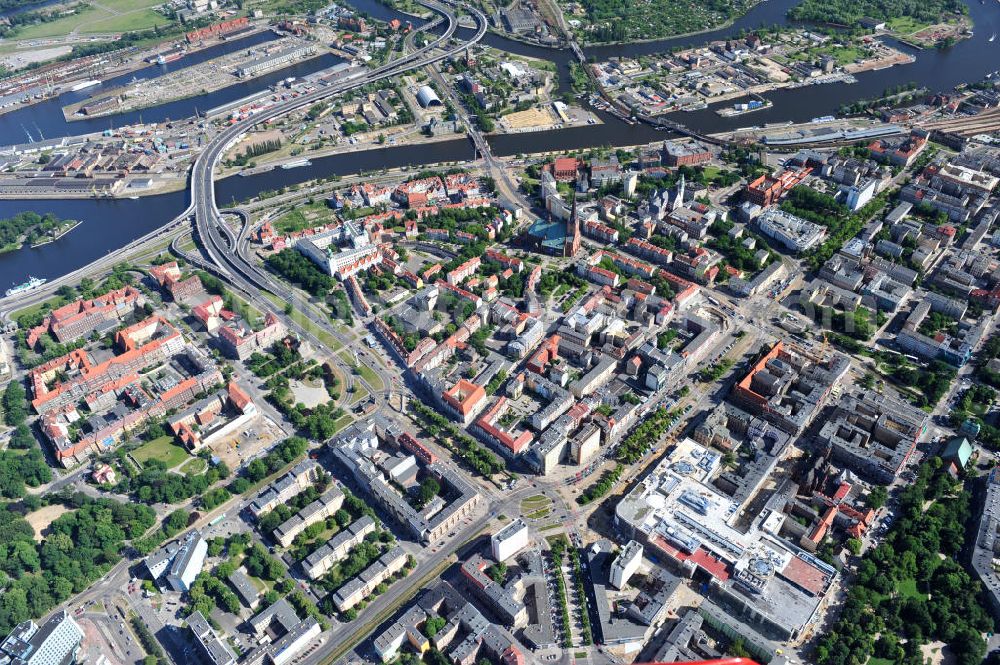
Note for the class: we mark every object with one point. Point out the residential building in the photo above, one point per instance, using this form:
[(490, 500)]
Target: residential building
[(210, 646), (873, 434), (240, 342), (986, 548), (301, 476), (794, 233), (86, 317), (685, 153), (788, 386), (364, 584), (323, 507), (337, 548)]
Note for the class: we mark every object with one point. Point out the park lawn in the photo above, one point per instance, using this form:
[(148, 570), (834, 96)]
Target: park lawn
[(194, 467), (908, 589), (303, 217), (291, 222), (880, 661), (342, 422), (56, 301), (844, 55), (163, 449)]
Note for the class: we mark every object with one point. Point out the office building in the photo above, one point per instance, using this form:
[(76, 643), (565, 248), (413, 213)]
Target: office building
[(187, 562), (626, 564), (55, 642), (509, 540)]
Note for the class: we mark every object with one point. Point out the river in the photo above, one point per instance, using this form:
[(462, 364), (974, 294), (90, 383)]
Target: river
[(121, 221)]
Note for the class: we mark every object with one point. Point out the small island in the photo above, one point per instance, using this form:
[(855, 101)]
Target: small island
[(32, 229)]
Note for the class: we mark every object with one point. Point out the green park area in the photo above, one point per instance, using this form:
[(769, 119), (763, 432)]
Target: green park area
[(161, 448), (110, 16)]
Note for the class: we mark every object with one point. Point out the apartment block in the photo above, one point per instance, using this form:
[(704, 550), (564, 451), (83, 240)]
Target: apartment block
[(509, 540), (301, 476), (364, 584), (55, 642), (210, 646), (323, 507), (873, 434), (337, 548), (85, 317)]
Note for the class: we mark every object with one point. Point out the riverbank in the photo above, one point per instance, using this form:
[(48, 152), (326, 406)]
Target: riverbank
[(78, 189), (55, 83), (57, 234), (268, 162)]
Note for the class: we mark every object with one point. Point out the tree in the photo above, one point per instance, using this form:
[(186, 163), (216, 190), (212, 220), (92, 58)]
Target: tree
[(429, 488), (498, 572), (877, 497), (854, 546), (738, 648)]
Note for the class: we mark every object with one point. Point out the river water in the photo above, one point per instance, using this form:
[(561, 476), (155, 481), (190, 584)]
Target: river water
[(109, 225)]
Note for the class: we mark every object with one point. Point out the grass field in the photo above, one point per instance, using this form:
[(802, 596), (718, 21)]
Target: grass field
[(303, 217), (358, 395), (321, 333), (342, 422), (103, 17), (54, 302), (163, 449), (908, 589), (905, 25), (369, 375), (194, 466), (366, 372), (536, 507)]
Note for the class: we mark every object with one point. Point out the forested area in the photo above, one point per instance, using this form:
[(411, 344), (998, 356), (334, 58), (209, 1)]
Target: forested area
[(911, 590), (155, 483), (22, 463), (26, 227), (299, 270), (80, 547), (849, 12), (621, 20)]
